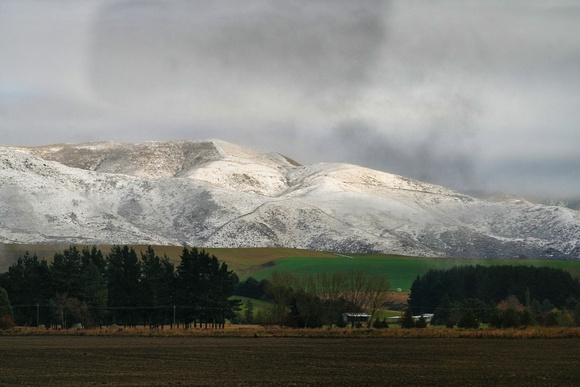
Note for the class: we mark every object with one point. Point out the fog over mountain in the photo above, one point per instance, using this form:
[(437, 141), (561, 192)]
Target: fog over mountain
[(211, 193)]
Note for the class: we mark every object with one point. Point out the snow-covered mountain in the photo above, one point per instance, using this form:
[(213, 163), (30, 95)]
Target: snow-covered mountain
[(216, 194)]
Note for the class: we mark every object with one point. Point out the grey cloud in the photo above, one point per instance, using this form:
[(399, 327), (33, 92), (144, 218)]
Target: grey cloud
[(438, 156), (471, 94), (557, 177), (224, 51)]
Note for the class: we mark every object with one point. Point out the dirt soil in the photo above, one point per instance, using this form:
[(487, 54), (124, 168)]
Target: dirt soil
[(142, 361)]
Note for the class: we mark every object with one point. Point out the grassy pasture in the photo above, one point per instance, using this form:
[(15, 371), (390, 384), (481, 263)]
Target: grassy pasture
[(261, 262), (244, 261), (401, 270), (259, 305)]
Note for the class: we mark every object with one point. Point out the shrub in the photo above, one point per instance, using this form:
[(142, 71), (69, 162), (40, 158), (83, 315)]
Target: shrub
[(6, 322), (510, 318), (407, 321), (495, 320), (380, 324), (421, 323), (526, 318), (468, 320), (565, 319), (552, 318)]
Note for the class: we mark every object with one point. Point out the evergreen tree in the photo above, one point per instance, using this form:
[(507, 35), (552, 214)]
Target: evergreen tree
[(443, 312), (203, 288), (552, 318), (468, 320), (304, 310), (421, 322), (158, 277), (6, 319), (566, 319), (5, 308), (94, 293), (226, 282), (28, 282), (408, 321), (66, 271), (510, 318), (94, 256), (491, 284), (187, 290), (526, 318), (251, 288), (4, 280), (123, 284), (249, 312), (380, 324), (496, 321), (79, 276)]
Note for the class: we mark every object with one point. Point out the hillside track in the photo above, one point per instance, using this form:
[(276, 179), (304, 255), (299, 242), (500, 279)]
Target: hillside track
[(87, 360)]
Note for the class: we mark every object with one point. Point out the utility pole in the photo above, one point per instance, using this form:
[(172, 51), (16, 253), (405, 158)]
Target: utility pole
[(37, 315)]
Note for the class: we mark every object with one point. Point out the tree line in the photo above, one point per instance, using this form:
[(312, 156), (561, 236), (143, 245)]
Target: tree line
[(502, 295), (124, 288), (315, 300)]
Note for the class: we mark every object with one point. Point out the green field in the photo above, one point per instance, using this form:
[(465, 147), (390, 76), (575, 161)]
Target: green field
[(261, 262), (244, 261), (401, 270)]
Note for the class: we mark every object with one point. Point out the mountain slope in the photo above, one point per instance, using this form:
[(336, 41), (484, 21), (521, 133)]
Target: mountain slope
[(216, 194)]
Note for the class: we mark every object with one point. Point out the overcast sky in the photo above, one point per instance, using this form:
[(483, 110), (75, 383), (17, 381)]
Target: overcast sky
[(474, 95)]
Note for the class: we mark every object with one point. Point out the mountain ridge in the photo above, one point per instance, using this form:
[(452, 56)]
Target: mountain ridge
[(211, 193)]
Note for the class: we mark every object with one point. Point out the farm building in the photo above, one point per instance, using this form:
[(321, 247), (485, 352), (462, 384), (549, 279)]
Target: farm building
[(354, 318), (426, 316)]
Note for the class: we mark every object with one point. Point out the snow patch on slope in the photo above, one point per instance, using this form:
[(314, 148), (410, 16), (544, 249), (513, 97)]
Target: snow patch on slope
[(213, 193)]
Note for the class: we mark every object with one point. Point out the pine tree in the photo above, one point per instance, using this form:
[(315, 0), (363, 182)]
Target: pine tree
[(203, 288), (5, 308), (123, 283), (526, 318), (468, 320), (94, 293), (66, 271), (249, 312), (157, 287), (187, 287), (94, 256), (421, 322), (28, 282), (6, 319), (408, 321), (443, 312)]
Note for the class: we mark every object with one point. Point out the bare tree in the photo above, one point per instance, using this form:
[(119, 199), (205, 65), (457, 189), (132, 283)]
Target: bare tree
[(357, 289), (378, 293), (280, 288), (331, 288)]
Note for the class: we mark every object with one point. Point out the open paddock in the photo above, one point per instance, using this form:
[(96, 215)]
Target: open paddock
[(119, 360)]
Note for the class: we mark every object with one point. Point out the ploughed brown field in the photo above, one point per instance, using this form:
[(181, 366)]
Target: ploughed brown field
[(140, 361)]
